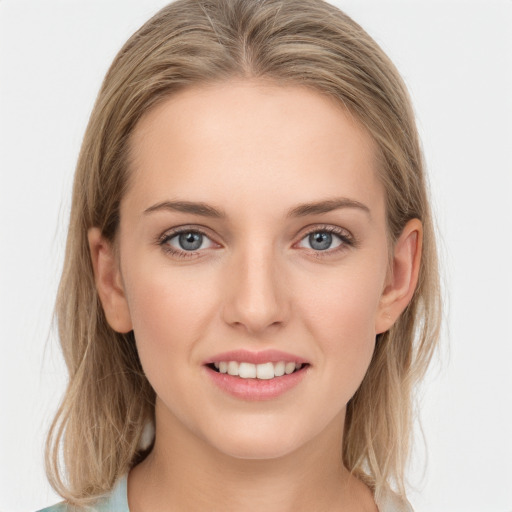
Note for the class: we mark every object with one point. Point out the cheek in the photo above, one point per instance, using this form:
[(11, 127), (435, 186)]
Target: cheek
[(169, 311), (345, 302), (340, 315)]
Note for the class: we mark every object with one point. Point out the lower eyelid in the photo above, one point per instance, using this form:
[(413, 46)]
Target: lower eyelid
[(178, 252)]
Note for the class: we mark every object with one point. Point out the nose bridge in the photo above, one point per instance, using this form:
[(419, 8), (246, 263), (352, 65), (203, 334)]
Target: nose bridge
[(256, 298)]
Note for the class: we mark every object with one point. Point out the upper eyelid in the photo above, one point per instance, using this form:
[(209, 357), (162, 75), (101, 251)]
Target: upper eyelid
[(172, 232), (337, 230)]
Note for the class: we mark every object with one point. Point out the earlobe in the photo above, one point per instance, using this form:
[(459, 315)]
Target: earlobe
[(107, 276), (403, 276)]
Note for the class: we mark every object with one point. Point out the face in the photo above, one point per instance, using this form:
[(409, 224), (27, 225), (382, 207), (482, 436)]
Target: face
[(253, 234)]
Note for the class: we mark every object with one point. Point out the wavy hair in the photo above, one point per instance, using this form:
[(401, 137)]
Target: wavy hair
[(95, 436)]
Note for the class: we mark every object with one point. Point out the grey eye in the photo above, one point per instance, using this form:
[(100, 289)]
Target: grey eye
[(321, 241), (190, 241)]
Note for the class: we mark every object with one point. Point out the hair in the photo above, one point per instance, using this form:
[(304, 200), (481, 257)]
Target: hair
[(95, 436)]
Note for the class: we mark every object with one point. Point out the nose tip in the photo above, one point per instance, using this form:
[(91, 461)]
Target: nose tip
[(255, 300), (256, 315)]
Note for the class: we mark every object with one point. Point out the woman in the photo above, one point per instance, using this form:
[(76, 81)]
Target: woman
[(250, 270)]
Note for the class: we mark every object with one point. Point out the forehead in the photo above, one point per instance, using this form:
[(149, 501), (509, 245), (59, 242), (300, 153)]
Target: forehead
[(235, 139)]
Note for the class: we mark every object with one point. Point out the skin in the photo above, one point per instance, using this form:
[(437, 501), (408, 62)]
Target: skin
[(255, 151)]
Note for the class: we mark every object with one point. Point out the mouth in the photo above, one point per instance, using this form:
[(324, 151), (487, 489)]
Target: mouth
[(257, 375), (262, 371)]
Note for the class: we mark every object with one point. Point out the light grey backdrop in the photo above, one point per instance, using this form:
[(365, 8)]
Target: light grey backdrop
[(456, 57)]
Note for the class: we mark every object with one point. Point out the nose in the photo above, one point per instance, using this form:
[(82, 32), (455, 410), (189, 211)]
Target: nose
[(255, 297)]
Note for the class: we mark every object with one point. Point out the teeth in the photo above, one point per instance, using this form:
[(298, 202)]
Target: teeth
[(279, 369), (263, 371), (247, 370), (233, 368), (289, 368)]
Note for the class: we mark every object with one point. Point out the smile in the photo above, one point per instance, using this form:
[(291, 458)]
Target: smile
[(264, 371), (256, 375)]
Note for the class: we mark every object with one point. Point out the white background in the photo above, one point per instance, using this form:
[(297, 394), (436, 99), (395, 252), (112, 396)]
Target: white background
[(456, 58)]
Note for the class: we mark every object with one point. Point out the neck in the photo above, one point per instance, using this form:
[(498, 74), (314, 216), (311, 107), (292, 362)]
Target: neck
[(183, 472)]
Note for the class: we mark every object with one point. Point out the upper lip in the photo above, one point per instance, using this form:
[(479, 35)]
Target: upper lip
[(260, 357)]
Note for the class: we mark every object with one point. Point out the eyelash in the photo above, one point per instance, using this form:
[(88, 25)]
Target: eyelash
[(347, 240), (170, 235)]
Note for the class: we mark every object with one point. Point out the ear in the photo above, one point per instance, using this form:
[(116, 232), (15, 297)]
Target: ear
[(402, 277), (107, 276)]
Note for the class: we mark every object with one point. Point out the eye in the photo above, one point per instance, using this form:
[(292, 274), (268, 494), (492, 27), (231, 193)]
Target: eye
[(186, 241), (326, 239)]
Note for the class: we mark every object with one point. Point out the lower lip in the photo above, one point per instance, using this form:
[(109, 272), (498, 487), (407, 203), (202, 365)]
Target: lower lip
[(256, 389)]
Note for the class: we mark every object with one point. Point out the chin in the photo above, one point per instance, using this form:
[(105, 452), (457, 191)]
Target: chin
[(257, 440), (255, 449)]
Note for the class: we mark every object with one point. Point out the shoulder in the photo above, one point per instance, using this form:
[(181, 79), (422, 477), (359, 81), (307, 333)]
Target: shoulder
[(115, 501), (66, 507), (60, 507)]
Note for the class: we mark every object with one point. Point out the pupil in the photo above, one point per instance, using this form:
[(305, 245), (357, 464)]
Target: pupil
[(320, 241), (190, 241)]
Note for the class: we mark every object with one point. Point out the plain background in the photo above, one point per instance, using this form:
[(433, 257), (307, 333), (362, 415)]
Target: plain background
[(456, 58)]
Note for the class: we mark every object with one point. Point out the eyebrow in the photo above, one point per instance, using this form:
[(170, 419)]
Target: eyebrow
[(202, 209), (302, 210), (327, 206)]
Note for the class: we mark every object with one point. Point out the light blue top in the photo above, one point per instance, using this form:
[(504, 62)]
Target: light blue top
[(117, 501)]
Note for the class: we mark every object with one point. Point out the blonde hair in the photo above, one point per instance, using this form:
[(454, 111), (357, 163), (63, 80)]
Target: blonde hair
[(97, 429)]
